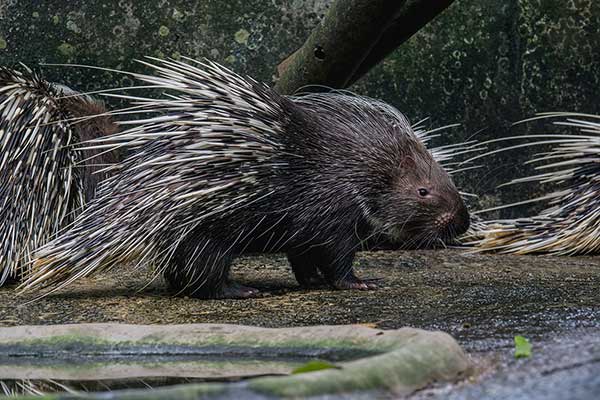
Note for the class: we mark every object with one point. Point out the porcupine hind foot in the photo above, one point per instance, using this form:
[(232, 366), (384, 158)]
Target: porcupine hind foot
[(200, 269), (336, 271), (212, 288)]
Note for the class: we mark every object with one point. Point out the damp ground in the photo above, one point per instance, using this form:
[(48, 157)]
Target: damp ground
[(482, 300)]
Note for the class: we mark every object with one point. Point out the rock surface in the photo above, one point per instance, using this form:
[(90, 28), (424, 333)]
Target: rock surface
[(366, 359), (482, 300)]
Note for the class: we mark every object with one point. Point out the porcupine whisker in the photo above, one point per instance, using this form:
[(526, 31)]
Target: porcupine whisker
[(467, 144), (443, 154), (428, 133), (451, 153)]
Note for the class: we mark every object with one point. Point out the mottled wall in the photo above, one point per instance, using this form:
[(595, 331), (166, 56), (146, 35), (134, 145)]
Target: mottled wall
[(488, 64), (483, 63), (251, 36)]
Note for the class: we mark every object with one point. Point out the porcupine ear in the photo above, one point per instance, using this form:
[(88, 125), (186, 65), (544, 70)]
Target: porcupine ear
[(407, 163), (38, 178)]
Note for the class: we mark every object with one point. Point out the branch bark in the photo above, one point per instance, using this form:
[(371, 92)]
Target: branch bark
[(338, 45), (354, 36)]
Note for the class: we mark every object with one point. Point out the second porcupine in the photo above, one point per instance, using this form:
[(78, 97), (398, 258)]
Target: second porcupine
[(228, 166), (44, 182)]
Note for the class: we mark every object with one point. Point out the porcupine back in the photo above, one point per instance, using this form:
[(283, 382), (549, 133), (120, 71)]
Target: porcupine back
[(230, 160), (41, 186), (569, 223)]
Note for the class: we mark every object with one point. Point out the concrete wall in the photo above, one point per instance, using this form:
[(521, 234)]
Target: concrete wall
[(483, 63)]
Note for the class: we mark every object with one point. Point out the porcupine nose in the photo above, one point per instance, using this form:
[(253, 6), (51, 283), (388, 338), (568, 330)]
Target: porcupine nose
[(453, 223)]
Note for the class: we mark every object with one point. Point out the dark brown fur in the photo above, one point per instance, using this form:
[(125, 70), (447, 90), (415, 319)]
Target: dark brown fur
[(88, 129)]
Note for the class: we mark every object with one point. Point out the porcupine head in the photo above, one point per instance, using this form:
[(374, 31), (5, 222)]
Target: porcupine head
[(403, 191), (310, 176), (422, 205)]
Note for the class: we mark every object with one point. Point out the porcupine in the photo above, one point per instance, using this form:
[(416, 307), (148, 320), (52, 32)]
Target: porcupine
[(228, 166), (41, 184), (569, 223)]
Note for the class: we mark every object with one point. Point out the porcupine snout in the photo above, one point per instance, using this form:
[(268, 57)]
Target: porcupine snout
[(453, 223)]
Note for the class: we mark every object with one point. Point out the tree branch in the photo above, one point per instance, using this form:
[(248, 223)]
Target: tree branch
[(338, 45), (354, 36)]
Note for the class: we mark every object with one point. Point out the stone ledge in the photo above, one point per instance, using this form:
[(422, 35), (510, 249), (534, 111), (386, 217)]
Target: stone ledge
[(401, 360)]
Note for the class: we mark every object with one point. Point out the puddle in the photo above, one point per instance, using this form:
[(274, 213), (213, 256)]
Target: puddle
[(40, 370)]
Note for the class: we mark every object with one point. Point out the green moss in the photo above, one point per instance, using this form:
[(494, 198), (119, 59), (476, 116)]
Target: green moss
[(3, 43), (242, 36), (163, 31), (66, 49), (62, 340), (178, 15), (364, 346)]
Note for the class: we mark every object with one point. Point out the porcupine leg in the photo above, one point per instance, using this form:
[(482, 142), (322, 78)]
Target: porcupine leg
[(203, 272), (305, 269), (335, 265)]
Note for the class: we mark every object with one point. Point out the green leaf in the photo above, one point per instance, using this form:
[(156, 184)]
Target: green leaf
[(314, 365), (522, 347)]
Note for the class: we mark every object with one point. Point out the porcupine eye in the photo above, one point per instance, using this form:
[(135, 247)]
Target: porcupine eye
[(423, 192)]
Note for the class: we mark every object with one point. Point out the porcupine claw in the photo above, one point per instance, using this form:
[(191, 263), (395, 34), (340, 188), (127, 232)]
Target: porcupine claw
[(353, 282)]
